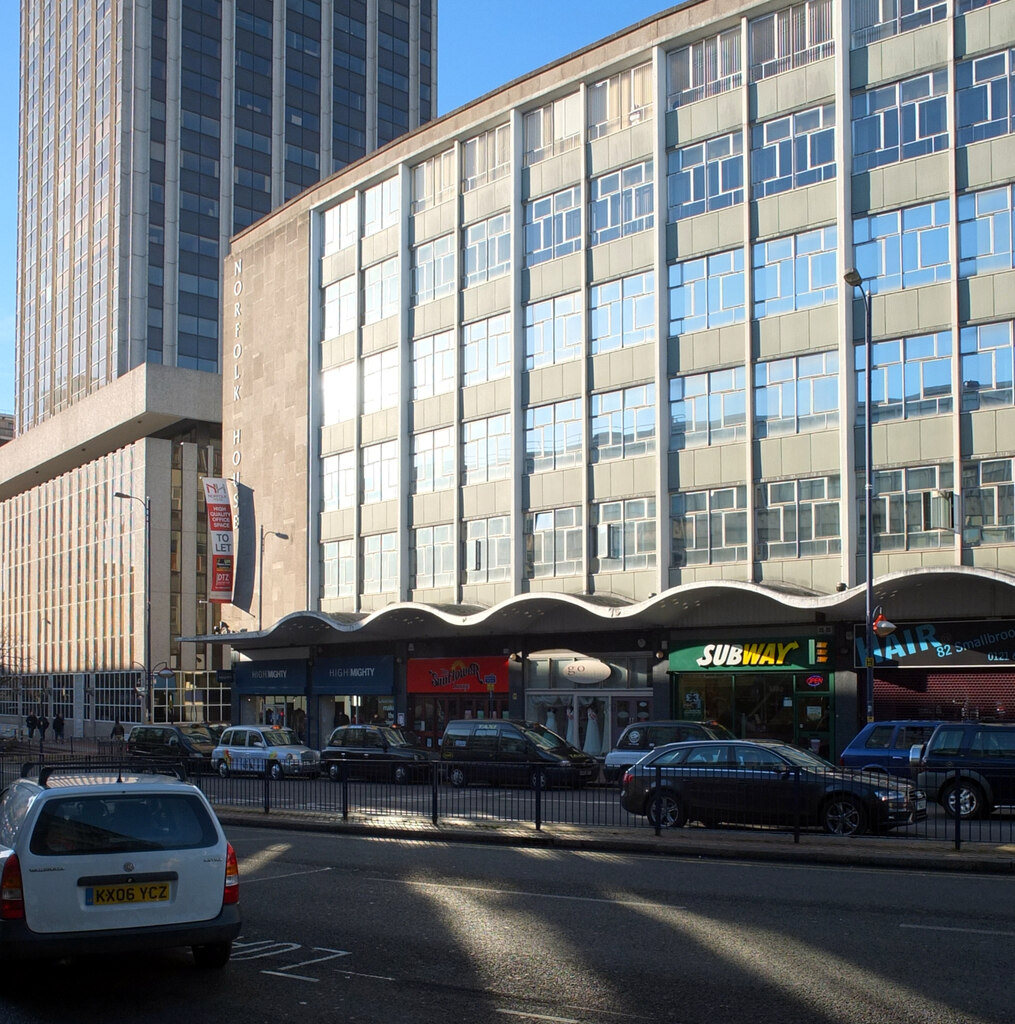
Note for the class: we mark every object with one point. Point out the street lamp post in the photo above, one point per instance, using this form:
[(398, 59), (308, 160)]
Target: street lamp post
[(260, 571), (146, 504)]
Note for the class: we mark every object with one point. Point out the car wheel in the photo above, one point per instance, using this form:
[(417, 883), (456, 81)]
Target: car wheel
[(457, 777), (401, 774), (969, 797), (223, 769), (670, 810), (334, 771), (214, 955), (274, 771), (844, 815)]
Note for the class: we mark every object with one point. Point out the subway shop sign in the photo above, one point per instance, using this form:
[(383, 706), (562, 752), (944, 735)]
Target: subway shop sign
[(782, 653)]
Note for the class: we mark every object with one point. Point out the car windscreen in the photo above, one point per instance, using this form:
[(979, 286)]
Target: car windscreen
[(719, 731), (802, 758), (198, 733), (543, 738), (393, 738), (281, 738), (122, 823)]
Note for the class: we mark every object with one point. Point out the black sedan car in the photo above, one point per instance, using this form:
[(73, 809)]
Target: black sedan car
[(765, 783), (374, 752)]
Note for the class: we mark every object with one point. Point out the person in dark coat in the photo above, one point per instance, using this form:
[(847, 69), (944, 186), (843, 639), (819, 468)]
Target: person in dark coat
[(117, 733), (58, 727), (43, 726), (33, 723)]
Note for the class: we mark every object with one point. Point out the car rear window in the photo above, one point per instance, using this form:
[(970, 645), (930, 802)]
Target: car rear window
[(122, 823)]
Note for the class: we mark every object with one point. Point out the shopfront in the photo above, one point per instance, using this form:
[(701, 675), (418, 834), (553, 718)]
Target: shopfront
[(271, 693), (759, 687), (588, 701), (352, 690), (440, 690)]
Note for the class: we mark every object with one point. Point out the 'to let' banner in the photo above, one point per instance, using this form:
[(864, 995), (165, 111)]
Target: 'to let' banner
[(220, 538)]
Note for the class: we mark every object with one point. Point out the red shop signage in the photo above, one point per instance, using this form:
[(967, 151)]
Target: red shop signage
[(457, 675)]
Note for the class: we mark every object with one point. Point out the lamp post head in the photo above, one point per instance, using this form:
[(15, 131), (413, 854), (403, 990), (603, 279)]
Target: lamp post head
[(852, 278), (121, 494)]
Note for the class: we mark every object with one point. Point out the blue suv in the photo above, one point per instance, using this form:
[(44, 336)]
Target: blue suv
[(885, 746)]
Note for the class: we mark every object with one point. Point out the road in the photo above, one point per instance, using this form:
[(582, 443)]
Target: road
[(341, 928)]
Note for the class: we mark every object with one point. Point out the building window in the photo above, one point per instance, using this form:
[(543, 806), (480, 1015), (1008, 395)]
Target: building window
[(555, 128), (620, 101), (795, 272), (988, 502), (705, 176), (340, 226), (705, 68), (986, 228), (486, 350), (338, 481), (903, 248), (380, 381), (486, 449), (433, 365), (984, 88), (709, 527), (380, 291), (623, 423), (486, 157), (798, 518), (796, 394), (901, 120), (380, 563), (433, 557), (707, 292), (380, 207), (487, 554), (433, 269), (553, 331), (871, 20), (553, 543), (553, 226), (965, 6), (338, 569), (622, 313), (791, 38), (625, 534), (912, 377), (621, 203), (433, 181), (708, 408), (987, 365), (338, 394), (340, 307), (433, 460), (487, 249), (553, 436), (380, 472), (793, 151), (912, 508)]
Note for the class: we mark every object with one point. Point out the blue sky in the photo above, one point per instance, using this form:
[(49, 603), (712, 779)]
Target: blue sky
[(501, 38)]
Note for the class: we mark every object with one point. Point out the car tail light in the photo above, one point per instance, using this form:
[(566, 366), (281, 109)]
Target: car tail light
[(628, 778), (12, 898), (231, 894)]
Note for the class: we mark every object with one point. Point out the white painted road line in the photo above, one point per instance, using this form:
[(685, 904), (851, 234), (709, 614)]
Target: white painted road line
[(963, 931), (244, 880), (518, 892)]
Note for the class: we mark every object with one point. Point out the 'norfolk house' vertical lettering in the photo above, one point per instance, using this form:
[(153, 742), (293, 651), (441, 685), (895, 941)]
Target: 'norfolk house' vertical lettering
[(237, 352)]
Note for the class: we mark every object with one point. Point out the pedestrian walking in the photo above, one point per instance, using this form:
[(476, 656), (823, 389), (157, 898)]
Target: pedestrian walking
[(58, 727), (117, 733), (43, 726), (32, 723)]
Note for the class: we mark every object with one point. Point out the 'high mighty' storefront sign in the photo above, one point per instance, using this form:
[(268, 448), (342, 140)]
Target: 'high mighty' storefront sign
[(940, 644)]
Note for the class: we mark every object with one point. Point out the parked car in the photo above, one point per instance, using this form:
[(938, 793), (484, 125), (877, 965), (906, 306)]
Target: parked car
[(188, 742), (885, 746), (765, 782), (375, 752), (640, 737), (512, 752), (93, 861), (271, 750), (972, 763)]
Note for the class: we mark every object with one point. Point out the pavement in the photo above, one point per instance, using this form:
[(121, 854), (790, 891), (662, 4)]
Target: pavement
[(743, 844)]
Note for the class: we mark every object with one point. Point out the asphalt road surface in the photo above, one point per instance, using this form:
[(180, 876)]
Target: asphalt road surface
[(383, 931)]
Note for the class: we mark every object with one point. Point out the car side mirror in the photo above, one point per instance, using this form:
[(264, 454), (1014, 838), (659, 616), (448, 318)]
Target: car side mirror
[(915, 755)]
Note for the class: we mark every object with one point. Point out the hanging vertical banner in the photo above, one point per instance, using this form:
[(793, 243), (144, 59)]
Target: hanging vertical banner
[(220, 539)]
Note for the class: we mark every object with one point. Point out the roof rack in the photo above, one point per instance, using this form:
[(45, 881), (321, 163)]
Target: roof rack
[(146, 767)]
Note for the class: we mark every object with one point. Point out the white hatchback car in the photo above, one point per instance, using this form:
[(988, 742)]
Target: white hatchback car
[(101, 861)]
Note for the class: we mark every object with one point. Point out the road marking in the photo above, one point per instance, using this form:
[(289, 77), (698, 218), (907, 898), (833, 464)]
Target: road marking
[(518, 892), (539, 1016), (291, 874), (963, 931)]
